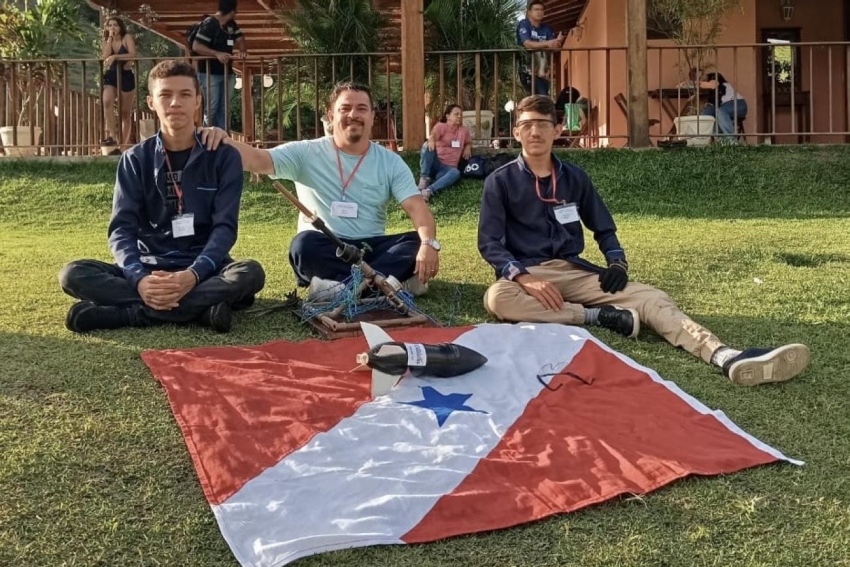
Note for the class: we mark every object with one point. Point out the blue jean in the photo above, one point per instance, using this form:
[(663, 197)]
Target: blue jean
[(440, 174), (725, 116), (311, 253), (215, 115), (541, 85)]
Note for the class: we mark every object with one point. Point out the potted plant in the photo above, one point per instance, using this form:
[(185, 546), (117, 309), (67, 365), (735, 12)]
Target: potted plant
[(472, 25), (688, 23), (32, 35)]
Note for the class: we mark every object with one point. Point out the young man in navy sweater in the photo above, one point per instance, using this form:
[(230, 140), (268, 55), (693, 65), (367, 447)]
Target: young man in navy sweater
[(174, 220), (530, 231)]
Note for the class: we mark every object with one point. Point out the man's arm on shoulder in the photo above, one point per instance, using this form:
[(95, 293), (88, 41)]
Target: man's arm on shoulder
[(491, 231), (127, 203), (254, 160), (596, 216), (225, 214)]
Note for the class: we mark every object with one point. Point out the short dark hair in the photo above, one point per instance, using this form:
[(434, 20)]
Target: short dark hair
[(537, 103), (226, 6), (340, 87), (534, 3), (448, 111), (173, 68)]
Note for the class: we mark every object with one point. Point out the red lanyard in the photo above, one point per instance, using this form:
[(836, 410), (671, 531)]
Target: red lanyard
[(177, 188), (554, 198), (346, 182)]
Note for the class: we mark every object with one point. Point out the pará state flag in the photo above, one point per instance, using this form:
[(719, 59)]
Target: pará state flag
[(295, 457)]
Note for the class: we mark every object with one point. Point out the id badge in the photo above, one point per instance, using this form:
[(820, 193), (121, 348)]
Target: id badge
[(344, 210), (183, 225), (230, 43), (566, 213), (455, 143)]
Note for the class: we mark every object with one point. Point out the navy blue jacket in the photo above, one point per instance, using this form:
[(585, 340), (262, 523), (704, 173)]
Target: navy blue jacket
[(517, 230), (140, 229)]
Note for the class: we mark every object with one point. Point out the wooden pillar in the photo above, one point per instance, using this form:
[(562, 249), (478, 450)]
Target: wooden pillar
[(637, 62), (413, 73), (248, 103)]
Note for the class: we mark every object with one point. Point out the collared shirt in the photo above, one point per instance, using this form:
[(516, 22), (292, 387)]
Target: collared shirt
[(517, 229), (219, 38), (524, 32), (312, 165), (140, 231)]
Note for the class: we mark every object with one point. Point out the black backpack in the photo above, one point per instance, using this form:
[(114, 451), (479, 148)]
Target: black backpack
[(192, 31)]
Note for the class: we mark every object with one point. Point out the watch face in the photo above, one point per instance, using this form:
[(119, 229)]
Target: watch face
[(435, 244)]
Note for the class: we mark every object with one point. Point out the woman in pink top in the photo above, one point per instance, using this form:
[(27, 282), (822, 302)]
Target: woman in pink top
[(449, 140)]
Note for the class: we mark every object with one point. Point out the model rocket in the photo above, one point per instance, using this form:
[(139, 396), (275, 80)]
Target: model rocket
[(391, 360)]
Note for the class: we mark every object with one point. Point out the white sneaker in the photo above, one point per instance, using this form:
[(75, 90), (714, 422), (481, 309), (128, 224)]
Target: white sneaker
[(423, 183), (323, 290), (413, 286), (426, 194)]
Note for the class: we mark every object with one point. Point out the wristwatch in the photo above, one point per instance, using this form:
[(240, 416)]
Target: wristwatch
[(433, 243)]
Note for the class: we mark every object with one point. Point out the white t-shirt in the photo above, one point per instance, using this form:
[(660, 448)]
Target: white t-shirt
[(312, 165)]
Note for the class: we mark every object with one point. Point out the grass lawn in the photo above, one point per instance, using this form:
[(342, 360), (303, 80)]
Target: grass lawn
[(752, 242)]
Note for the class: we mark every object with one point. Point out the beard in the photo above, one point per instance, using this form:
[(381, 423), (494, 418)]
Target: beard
[(353, 137)]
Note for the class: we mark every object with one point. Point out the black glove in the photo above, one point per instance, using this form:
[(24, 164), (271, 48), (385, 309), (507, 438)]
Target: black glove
[(615, 277)]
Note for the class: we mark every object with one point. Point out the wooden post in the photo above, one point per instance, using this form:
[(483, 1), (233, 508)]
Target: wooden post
[(248, 102), (637, 63), (413, 73)]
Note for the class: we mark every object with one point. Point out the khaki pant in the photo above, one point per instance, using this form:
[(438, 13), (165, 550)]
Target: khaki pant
[(506, 300)]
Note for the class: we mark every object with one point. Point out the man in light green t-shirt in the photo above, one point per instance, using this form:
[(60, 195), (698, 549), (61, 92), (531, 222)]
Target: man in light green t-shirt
[(348, 181)]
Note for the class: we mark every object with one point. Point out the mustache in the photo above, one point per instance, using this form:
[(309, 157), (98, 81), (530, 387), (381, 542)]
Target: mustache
[(348, 121)]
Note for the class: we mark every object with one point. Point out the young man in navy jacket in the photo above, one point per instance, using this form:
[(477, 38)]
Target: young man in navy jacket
[(530, 231), (174, 220)]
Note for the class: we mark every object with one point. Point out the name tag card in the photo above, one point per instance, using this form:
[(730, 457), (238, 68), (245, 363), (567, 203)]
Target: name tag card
[(230, 42), (344, 210), (566, 213), (455, 143), (183, 225)]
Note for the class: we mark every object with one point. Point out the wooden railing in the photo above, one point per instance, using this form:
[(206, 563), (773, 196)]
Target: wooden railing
[(59, 107)]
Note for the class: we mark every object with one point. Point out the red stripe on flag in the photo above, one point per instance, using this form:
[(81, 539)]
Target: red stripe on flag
[(243, 409), (583, 444)]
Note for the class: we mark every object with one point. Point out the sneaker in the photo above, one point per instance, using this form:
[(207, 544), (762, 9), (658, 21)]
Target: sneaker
[(414, 287), (764, 365), (108, 141), (619, 320), (87, 316), (219, 317), (426, 194), (423, 183), (323, 290), (245, 303)]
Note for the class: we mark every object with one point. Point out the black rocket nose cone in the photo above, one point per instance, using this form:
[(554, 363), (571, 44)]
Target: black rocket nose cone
[(468, 359)]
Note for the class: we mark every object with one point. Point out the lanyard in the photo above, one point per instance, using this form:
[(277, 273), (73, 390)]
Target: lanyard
[(346, 182), (554, 198), (177, 188)]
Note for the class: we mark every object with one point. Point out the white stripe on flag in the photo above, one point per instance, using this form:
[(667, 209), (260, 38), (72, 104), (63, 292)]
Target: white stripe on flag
[(375, 475)]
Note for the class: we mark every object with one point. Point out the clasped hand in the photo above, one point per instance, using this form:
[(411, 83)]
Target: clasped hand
[(164, 290)]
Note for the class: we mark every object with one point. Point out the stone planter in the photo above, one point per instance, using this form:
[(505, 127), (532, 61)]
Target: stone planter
[(7, 135)]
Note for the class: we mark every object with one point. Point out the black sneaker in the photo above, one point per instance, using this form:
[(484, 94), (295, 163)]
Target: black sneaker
[(108, 141), (218, 317), (86, 316), (764, 365), (245, 303), (620, 320)]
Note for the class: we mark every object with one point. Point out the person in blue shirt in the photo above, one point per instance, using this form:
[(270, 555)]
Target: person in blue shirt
[(530, 230), (537, 38), (174, 220), (348, 181)]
